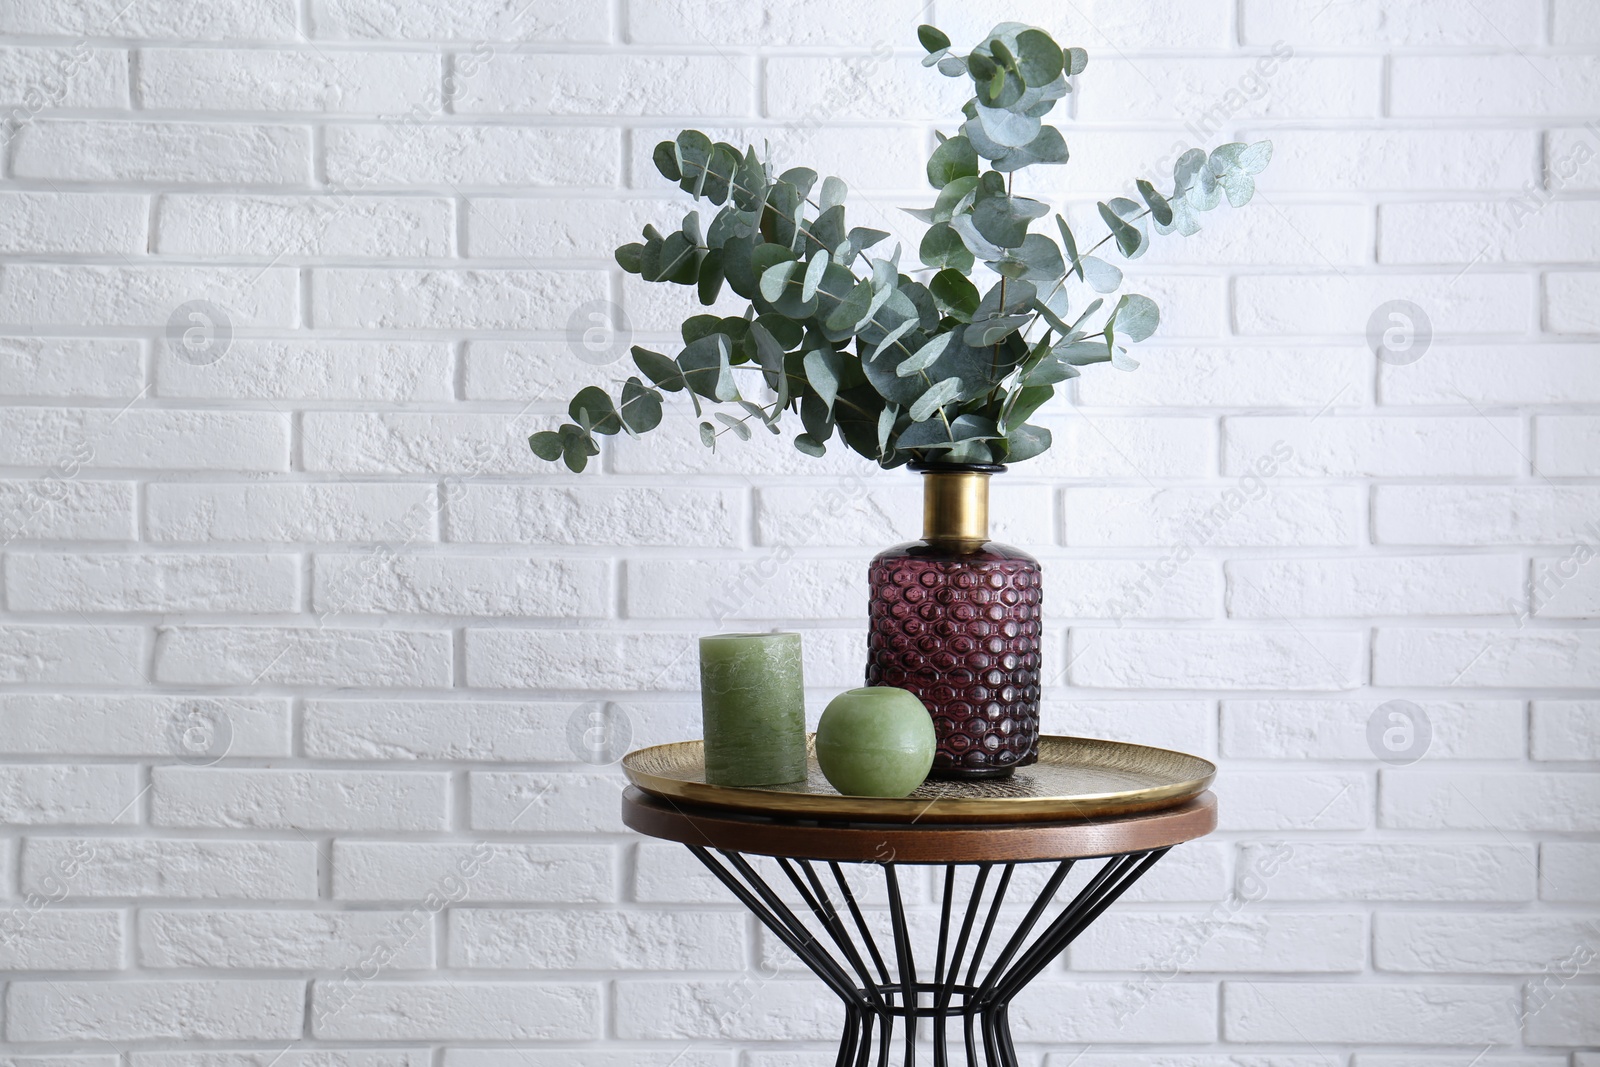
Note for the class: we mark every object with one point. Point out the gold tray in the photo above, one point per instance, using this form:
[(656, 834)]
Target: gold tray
[(1075, 778)]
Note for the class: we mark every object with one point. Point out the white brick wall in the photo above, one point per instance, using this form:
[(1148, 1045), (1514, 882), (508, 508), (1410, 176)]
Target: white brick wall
[(311, 676)]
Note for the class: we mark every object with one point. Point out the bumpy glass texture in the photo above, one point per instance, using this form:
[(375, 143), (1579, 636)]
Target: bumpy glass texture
[(962, 631)]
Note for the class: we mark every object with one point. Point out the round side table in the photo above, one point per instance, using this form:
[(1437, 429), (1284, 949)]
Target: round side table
[(882, 984)]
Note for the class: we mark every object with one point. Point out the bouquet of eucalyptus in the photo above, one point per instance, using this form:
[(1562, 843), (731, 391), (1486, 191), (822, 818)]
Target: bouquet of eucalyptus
[(901, 365)]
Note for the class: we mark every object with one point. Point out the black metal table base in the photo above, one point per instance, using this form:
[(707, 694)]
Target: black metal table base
[(877, 990)]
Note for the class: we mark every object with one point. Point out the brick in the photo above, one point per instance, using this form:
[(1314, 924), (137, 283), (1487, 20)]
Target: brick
[(217, 79), (1135, 448), (1569, 871), (136, 868), (103, 150), (298, 800), (281, 940), (1569, 1019), (1295, 800), (596, 940), (1478, 944), (1495, 374), (1565, 730), (65, 508), (1431, 161), (76, 295), (1192, 659), (1455, 86), (879, 511), (1217, 941), (168, 581), (1437, 1013), (1300, 304), (1356, 588), (1573, 23), (455, 1010), (74, 655), (1418, 1059), (1353, 446), (95, 223), (562, 802), (1183, 725), (832, 22), (1212, 92), (751, 1008), (321, 513), (1181, 1059), (768, 587), (558, 227), (674, 448), (272, 19), (478, 586), (561, 659), (1237, 376), (45, 794), (1402, 871), (1494, 232), (857, 85), (1495, 658), (1105, 1012), (1484, 515), (428, 299), (1523, 800), (133, 438), (865, 157), (362, 157), (1222, 516), (720, 84), (71, 366), (403, 442), (407, 873), (1337, 729), (1198, 872), (549, 372), (562, 515), (435, 730), (1371, 23), (1567, 445), (62, 940), (255, 655), (1569, 303), (37, 79), (312, 370), (1564, 587), (1078, 588), (375, 227), (292, 1057), (135, 1009), (90, 725), (472, 20), (596, 1057), (1161, 24), (1568, 163)]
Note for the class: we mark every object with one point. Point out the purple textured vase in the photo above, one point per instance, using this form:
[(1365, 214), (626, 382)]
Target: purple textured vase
[(955, 618)]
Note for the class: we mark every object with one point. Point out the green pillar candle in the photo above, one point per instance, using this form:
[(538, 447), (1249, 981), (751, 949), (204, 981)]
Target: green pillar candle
[(752, 705)]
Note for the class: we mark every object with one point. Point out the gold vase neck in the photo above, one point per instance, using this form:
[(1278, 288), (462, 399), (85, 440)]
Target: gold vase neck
[(955, 507)]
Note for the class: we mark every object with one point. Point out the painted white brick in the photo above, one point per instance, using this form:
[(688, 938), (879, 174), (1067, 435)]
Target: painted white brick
[(1474, 944), (534, 803), (1099, 24), (47, 78), (721, 84), (143, 296), (1494, 232), (97, 223), (864, 83), (141, 725), (1178, 1012), (1455, 86), (64, 508), (1572, 22), (1196, 659), (97, 150), (1184, 725), (256, 655), (1184, 1059), (1568, 870), (1400, 871), (313, 370), (135, 1009), (472, 20), (596, 940), (1506, 800), (74, 655), (401, 442), (1567, 445), (1223, 516), (1484, 515), (134, 437), (1505, 657), (1337, 729), (675, 449), (44, 794), (167, 581), (1212, 92), (1495, 374), (360, 158), (378, 227), (1400, 159), (271, 19), (771, 586), (290, 1057), (69, 366), (429, 299), (435, 730), (455, 1010), (281, 940), (828, 22), (1565, 730), (1569, 303), (1569, 1019), (595, 1057), (298, 800), (1295, 800), (751, 1008), (865, 157), (561, 515), (1413, 1014), (1077, 588), (62, 940), (548, 373), (1300, 304), (1565, 586), (877, 512), (136, 868), (1099, 447), (1568, 163), (1420, 1059), (1374, 23), (1249, 940), (320, 80), (408, 873), (1352, 446), (1236, 376), (557, 227), (477, 586), (319, 513), (1410, 585)]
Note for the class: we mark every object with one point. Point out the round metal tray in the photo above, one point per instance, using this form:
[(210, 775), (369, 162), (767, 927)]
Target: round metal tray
[(1075, 778)]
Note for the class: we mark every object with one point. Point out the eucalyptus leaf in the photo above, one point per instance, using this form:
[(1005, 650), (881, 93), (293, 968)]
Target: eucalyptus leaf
[(1102, 277), (954, 159), (932, 38), (823, 367), (810, 445), (1136, 317), (641, 407), (924, 357), (938, 395)]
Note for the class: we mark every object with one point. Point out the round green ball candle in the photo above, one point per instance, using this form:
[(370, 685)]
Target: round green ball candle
[(875, 742), (753, 709)]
